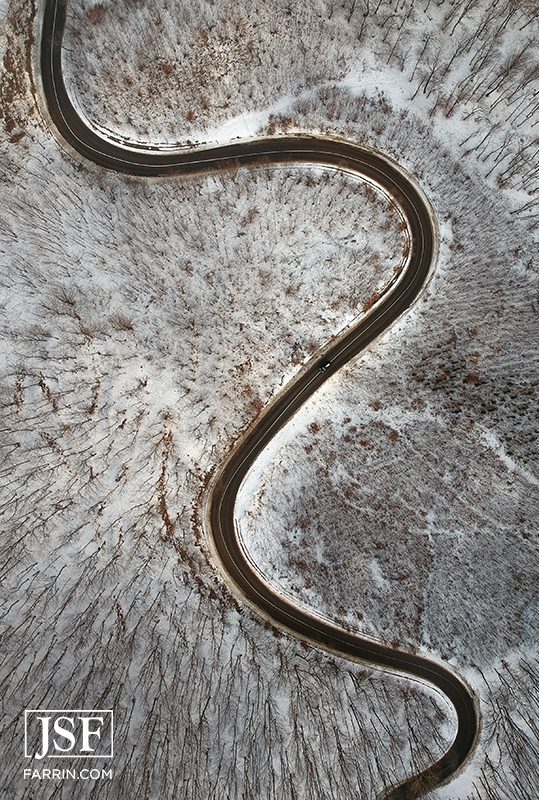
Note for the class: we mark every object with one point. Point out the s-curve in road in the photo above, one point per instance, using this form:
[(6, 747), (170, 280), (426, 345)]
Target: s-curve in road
[(320, 151)]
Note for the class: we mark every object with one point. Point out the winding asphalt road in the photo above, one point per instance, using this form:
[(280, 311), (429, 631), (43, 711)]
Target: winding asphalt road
[(319, 151)]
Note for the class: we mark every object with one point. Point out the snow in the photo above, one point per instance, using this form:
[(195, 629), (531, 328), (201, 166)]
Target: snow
[(417, 60), (491, 440), (138, 342), (147, 322)]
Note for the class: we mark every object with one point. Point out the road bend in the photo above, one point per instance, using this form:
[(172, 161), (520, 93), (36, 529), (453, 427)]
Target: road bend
[(316, 151)]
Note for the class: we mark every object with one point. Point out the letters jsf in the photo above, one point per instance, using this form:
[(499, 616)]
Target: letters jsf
[(68, 733)]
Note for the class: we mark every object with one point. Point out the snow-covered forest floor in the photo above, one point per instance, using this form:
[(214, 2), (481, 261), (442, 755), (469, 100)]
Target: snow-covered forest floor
[(145, 324)]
